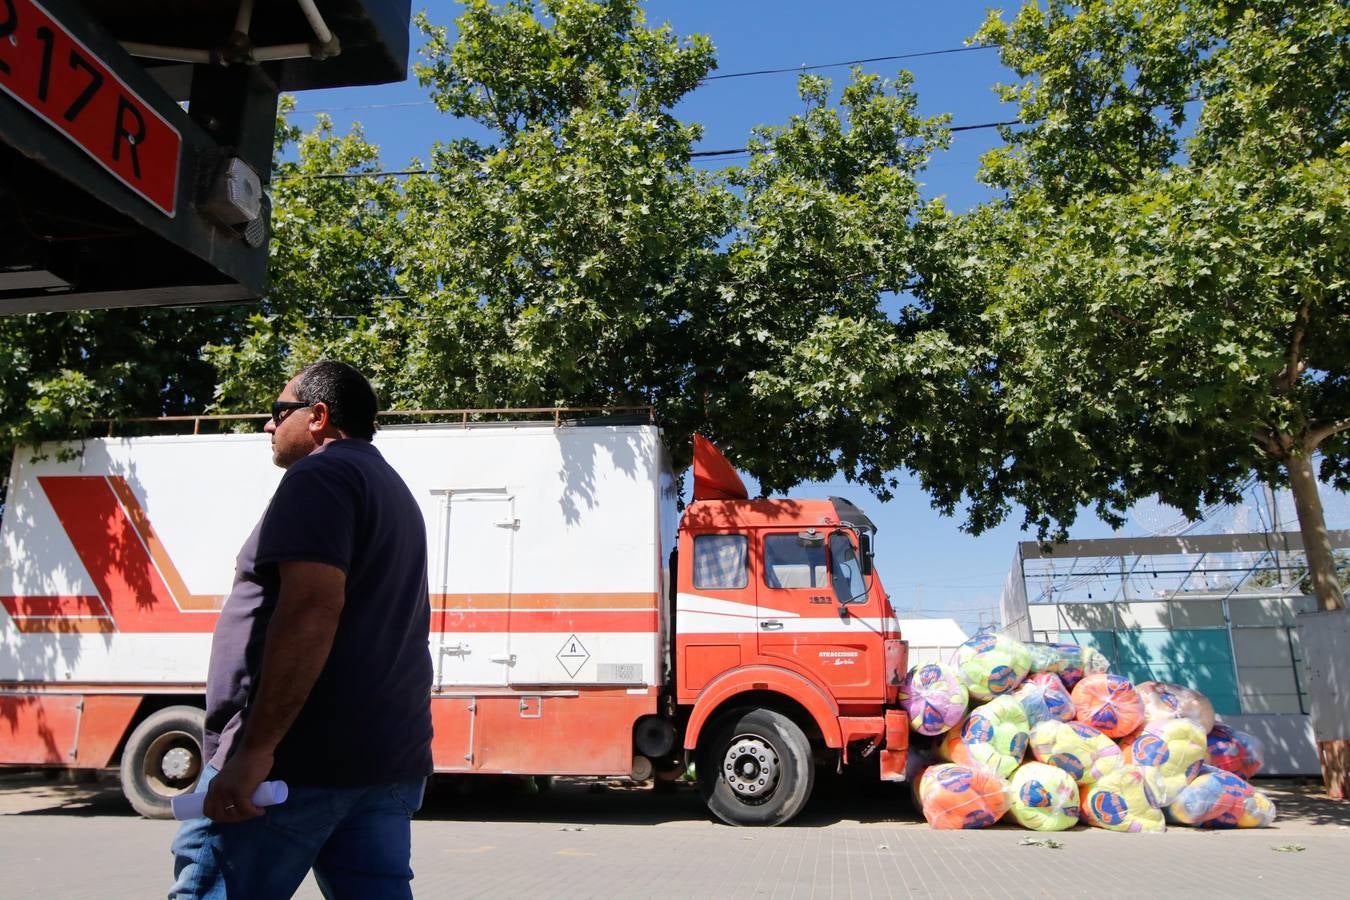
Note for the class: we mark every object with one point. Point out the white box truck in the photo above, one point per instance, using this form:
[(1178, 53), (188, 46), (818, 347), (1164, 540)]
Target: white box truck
[(581, 624)]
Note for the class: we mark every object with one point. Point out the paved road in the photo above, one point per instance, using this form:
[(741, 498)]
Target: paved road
[(76, 841)]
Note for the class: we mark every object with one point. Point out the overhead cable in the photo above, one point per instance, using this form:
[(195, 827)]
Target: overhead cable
[(917, 54), (851, 62), (393, 173)]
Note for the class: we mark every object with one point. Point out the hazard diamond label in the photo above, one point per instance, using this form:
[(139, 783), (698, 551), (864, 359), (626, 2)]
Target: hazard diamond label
[(573, 656)]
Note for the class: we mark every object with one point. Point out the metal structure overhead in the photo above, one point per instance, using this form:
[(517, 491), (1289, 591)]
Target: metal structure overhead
[(136, 139)]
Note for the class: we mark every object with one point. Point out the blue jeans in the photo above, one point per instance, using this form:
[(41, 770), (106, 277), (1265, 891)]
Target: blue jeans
[(357, 841)]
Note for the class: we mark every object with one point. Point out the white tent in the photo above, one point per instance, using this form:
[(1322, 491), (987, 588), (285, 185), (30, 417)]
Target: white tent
[(931, 640)]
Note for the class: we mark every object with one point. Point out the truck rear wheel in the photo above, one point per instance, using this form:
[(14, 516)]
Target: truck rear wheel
[(756, 769), (163, 759)]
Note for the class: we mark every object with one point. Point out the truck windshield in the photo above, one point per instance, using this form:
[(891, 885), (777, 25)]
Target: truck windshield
[(845, 572), (789, 564)]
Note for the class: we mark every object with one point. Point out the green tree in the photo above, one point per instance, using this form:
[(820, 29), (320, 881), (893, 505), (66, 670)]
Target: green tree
[(575, 254), (334, 253), (1157, 303), (64, 375)]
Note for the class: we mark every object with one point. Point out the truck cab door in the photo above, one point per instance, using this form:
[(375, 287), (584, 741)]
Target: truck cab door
[(471, 588), (799, 618)]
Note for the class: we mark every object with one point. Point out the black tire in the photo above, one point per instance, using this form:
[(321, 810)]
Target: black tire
[(162, 759), (755, 768)]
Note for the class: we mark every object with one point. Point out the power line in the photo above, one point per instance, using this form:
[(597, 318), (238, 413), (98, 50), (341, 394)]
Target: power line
[(697, 154), (954, 129), (852, 62), (916, 54), (327, 109), (334, 175)]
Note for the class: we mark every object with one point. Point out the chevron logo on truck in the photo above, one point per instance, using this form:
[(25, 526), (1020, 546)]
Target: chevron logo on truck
[(139, 587)]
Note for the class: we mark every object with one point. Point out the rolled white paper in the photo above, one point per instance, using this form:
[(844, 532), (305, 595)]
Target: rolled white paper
[(189, 806)]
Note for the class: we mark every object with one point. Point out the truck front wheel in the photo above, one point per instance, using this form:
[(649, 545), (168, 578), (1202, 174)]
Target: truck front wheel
[(756, 769), (163, 759)]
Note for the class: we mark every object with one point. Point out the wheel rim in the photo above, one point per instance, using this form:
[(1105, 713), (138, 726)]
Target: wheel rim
[(172, 762), (751, 768)]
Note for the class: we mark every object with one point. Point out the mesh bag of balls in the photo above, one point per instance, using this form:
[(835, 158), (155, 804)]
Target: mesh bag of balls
[(1043, 736)]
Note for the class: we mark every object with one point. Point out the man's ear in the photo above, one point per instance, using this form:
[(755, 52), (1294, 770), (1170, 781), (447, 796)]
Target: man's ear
[(318, 417)]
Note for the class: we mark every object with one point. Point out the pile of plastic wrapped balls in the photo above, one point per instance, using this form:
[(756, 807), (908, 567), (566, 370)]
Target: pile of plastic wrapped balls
[(1043, 735)]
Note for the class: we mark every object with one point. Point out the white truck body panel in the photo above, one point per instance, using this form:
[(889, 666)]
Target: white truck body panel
[(547, 552)]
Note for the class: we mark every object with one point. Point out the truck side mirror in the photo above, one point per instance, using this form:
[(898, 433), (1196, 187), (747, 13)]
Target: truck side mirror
[(865, 552)]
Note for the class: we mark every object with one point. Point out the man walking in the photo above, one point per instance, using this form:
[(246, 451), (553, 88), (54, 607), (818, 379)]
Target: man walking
[(319, 674)]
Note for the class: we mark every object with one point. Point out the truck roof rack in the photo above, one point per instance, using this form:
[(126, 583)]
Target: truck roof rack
[(559, 416)]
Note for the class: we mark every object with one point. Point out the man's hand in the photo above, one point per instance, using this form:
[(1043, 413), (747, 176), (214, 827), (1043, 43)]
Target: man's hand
[(229, 795)]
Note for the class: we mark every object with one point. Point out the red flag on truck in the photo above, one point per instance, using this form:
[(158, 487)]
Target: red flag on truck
[(714, 477)]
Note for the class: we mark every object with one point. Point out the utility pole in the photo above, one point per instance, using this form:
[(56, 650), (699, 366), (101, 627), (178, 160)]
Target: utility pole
[(1274, 507)]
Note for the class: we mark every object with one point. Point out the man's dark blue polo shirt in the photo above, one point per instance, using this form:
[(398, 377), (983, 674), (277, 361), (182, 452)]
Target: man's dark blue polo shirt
[(368, 718)]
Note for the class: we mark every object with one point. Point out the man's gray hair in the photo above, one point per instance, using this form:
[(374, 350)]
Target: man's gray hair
[(350, 399)]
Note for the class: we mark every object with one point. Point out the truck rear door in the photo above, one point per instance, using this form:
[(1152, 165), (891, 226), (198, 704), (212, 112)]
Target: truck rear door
[(471, 588)]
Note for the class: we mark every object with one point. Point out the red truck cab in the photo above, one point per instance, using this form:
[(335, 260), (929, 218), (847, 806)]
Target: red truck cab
[(787, 651)]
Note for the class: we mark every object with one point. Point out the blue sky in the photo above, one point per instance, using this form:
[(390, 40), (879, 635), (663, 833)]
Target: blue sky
[(752, 35), (927, 564)]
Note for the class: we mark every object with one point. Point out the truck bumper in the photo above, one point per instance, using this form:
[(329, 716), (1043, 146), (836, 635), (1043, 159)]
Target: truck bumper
[(895, 753)]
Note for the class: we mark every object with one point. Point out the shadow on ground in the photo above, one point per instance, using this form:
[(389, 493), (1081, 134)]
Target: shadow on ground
[(1304, 801), (482, 798), (617, 802), (57, 793), (576, 801)]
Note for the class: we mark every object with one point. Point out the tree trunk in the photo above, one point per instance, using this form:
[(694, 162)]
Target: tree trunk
[(1313, 524)]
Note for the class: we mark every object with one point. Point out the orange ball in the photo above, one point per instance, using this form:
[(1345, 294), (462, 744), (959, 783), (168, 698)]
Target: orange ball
[(1108, 703), (955, 796)]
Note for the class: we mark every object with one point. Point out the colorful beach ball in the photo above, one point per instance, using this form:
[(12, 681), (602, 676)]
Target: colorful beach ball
[(1046, 657), (1170, 752), (1069, 661), (993, 736), (1043, 696), (1120, 801), (992, 664), (1043, 798), (1173, 701), (1220, 799), (1258, 811), (934, 697), (1235, 751), (1082, 751), (1108, 703), (954, 796)]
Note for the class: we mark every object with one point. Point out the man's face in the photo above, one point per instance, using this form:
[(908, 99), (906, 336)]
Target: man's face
[(291, 440)]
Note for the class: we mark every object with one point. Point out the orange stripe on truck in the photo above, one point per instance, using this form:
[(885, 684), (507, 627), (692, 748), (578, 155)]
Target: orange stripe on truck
[(77, 606), (578, 600), (59, 615), (594, 621)]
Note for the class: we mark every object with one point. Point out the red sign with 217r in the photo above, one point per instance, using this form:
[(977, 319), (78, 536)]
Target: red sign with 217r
[(51, 72)]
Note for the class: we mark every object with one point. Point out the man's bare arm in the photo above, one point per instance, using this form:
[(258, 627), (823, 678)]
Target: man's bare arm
[(299, 639)]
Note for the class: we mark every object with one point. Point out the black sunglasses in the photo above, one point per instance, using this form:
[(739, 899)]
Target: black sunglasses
[(284, 406)]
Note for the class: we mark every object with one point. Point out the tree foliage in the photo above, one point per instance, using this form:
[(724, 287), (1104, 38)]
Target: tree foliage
[(335, 252), (576, 254), (1157, 304)]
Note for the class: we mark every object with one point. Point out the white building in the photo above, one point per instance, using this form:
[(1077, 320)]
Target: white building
[(931, 640)]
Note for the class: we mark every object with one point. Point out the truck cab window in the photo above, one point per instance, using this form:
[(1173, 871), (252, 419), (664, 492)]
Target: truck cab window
[(788, 564), (845, 571), (721, 562)]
